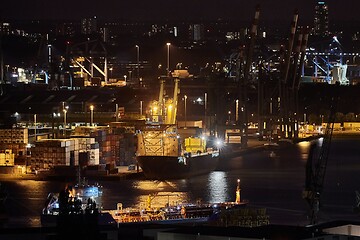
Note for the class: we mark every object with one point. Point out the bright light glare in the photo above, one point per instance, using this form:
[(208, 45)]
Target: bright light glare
[(219, 143)]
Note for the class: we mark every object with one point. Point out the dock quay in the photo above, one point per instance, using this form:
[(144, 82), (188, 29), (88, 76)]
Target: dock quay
[(123, 173), (254, 145), (160, 231)]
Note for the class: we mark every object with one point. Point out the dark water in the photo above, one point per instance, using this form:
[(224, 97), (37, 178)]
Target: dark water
[(275, 183)]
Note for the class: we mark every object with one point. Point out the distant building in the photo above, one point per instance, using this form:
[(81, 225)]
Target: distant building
[(196, 32), (321, 20), (105, 34), (66, 29), (237, 35), (89, 25), (4, 28)]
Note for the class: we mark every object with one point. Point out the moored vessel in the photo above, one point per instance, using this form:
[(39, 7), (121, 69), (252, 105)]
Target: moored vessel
[(80, 203), (179, 213), (162, 153)]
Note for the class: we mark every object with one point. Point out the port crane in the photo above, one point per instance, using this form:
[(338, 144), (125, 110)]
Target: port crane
[(316, 163)]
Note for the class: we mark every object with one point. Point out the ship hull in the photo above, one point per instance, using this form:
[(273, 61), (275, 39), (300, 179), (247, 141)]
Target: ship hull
[(173, 167)]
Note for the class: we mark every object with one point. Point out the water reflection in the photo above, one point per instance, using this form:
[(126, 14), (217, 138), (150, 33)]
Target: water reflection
[(217, 186), (275, 183), (304, 150)]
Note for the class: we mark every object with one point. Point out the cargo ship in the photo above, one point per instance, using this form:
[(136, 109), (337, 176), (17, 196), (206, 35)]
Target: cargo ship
[(162, 153)]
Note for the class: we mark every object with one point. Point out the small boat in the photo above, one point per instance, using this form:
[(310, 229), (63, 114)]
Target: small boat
[(79, 201)]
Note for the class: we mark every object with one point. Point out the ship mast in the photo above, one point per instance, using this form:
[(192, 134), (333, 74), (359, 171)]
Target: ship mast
[(175, 100), (238, 198), (161, 96)]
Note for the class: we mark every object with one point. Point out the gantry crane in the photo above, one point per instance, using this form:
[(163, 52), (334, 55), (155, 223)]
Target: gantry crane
[(316, 164)]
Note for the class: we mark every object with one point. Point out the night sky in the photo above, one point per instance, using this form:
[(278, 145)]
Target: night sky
[(271, 10)]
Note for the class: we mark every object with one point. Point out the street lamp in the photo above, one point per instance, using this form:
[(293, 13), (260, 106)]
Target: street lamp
[(55, 115), (91, 114), (35, 127), (237, 111), (141, 108), (111, 69), (137, 61), (168, 58), (65, 112), (205, 112), (49, 53), (185, 97)]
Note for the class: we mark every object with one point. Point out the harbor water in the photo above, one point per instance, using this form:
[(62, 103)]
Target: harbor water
[(271, 178)]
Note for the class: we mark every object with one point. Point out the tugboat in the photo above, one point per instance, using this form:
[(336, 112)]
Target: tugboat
[(76, 212), (162, 154), (81, 202)]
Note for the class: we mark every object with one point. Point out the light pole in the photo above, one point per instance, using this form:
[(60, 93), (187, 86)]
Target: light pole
[(205, 112), (35, 127), (137, 61), (111, 69), (49, 53), (141, 108), (54, 115), (65, 112), (91, 114), (185, 97), (168, 58), (237, 111), (7, 72)]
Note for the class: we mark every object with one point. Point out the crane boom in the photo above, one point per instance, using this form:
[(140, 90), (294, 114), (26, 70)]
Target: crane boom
[(316, 164)]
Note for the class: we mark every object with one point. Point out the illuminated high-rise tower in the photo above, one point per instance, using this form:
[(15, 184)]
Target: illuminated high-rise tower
[(89, 25), (321, 21)]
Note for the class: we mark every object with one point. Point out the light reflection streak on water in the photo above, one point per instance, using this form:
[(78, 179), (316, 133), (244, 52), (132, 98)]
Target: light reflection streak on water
[(155, 186), (304, 149), (161, 193), (32, 189), (217, 187)]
